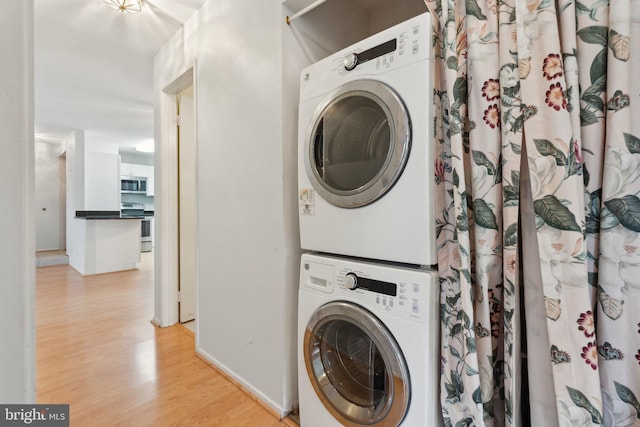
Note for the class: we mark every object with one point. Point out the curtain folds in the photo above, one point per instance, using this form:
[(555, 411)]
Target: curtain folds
[(538, 171)]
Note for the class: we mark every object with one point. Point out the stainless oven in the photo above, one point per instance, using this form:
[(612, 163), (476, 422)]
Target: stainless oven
[(136, 210), (145, 240)]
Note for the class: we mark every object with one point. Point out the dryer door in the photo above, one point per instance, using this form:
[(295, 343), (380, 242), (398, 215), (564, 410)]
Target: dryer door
[(358, 143), (356, 366)]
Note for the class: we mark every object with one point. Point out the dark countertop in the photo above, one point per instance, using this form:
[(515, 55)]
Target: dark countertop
[(110, 215)]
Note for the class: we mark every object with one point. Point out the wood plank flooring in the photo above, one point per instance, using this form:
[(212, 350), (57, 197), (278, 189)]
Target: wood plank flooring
[(98, 352)]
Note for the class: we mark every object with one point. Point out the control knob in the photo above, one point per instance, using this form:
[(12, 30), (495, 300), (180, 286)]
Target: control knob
[(351, 281), (350, 61)]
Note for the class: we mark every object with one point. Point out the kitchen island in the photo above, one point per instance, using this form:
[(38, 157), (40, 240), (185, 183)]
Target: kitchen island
[(107, 242)]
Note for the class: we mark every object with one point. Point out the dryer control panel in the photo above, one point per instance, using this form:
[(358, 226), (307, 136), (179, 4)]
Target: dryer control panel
[(394, 289), (393, 48)]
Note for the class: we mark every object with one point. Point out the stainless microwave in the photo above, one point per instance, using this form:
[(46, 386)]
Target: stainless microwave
[(133, 184)]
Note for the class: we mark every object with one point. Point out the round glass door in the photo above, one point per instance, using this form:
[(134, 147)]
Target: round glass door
[(355, 366), (358, 143)]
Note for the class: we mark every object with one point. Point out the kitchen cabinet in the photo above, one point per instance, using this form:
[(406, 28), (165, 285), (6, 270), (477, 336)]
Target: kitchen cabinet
[(150, 181), (132, 169)]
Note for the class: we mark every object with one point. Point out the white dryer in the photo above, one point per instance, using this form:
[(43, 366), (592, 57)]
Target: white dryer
[(365, 153), (368, 352)]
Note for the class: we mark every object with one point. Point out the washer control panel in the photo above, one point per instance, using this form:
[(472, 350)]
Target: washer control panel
[(398, 290)]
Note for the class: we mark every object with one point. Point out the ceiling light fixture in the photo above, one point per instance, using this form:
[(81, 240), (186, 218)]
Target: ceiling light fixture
[(123, 6)]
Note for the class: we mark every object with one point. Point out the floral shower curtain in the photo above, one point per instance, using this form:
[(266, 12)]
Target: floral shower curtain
[(538, 171)]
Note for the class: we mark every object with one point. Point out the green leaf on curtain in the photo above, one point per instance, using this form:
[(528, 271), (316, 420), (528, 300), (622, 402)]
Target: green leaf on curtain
[(607, 219), (516, 148), (469, 370), (597, 87), (511, 193), (460, 90), (456, 178), (587, 117), (586, 176), (594, 102), (544, 4), (471, 345), (474, 10), (581, 400), (515, 177), (477, 395), (595, 34), (633, 143), (454, 351), (513, 91), (452, 394), (555, 214), (452, 63), (480, 159), (467, 422), (464, 317), (518, 123), (626, 210), (483, 215), (511, 235), (546, 148), (456, 380), (599, 66), (626, 395)]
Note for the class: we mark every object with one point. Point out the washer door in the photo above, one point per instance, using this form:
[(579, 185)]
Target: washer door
[(358, 143), (356, 366)]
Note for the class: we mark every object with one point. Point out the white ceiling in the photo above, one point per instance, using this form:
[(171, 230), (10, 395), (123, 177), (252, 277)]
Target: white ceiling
[(94, 67)]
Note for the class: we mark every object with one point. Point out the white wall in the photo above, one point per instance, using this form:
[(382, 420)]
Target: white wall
[(50, 197), (102, 181), (246, 296), (17, 252), (76, 229)]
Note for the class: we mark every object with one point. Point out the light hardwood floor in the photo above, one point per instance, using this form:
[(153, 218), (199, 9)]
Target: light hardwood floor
[(98, 352)]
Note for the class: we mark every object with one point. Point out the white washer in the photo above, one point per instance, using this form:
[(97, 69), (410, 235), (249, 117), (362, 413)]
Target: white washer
[(365, 154), (367, 356)]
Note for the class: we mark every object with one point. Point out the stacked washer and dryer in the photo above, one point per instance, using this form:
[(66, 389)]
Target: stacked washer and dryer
[(368, 316)]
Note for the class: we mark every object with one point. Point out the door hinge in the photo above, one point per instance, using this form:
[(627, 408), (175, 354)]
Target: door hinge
[(177, 120), (179, 296)]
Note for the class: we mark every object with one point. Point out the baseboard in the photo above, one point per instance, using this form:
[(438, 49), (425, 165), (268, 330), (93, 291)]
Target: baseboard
[(262, 400)]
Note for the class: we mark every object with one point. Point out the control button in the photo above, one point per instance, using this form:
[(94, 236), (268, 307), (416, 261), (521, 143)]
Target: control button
[(350, 61), (416, 288), (390, 303), (377, 300), (384, 301), (415, 307), (351, 281)]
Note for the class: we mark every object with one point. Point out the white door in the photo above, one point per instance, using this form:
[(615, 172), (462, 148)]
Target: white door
[(187, 205)]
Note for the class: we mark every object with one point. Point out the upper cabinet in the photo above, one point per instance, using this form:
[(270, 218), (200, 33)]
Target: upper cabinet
[(132, 169), (150, 181)]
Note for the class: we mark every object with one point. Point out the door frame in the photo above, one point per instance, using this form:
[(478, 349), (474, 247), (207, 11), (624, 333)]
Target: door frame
[(166, 256)]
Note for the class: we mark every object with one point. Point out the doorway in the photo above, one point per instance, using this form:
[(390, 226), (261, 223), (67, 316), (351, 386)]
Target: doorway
[(187, 163)]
